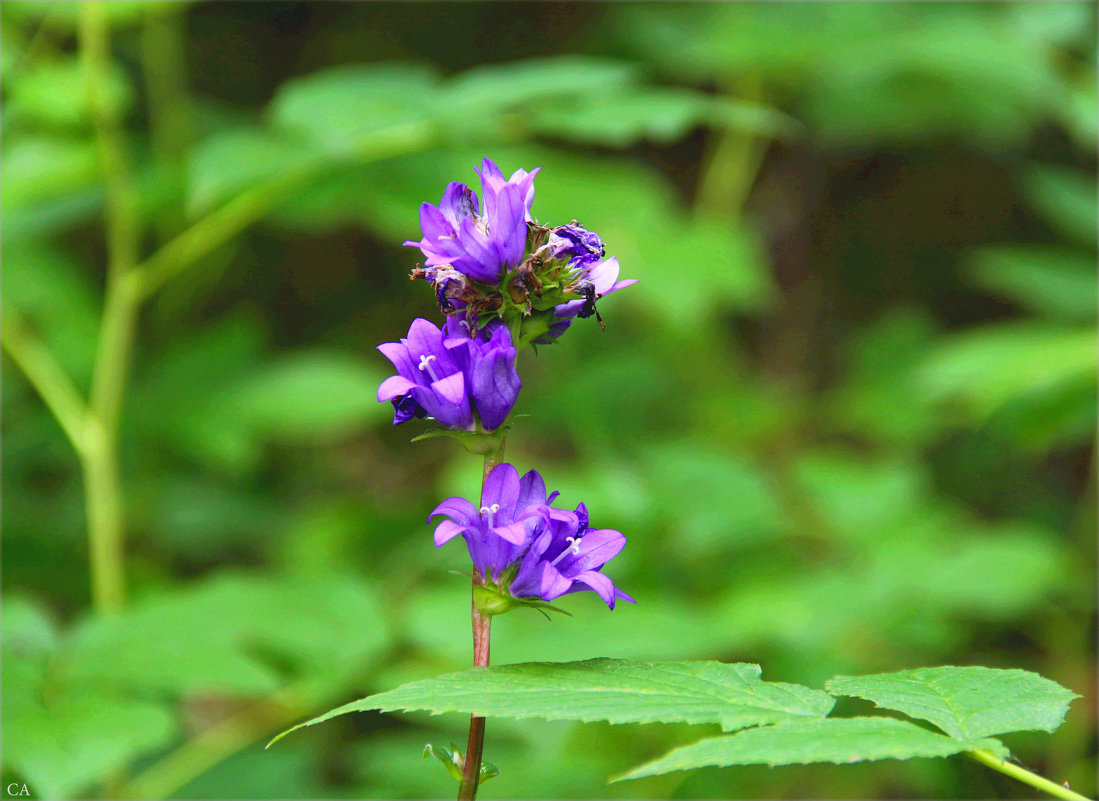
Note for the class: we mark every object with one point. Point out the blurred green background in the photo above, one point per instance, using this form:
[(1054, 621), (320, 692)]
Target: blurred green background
[(846, 419)]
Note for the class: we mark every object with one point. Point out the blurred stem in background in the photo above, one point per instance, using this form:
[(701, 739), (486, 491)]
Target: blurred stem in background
[(163, 62), (734, 158), (99, 457), (93, 427)]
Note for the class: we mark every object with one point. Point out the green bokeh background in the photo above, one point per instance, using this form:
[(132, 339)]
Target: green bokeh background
[(846, 419)]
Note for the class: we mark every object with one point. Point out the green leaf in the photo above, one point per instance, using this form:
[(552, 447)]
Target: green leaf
[(233, 634), (614, 690), (839, 740), (965, 702), (495, 87), (54, 95), (1053, 281), (662, 114), (347, 108), (1066, 199), (990, 366), (231, 161), (309, 394), (64, 737)]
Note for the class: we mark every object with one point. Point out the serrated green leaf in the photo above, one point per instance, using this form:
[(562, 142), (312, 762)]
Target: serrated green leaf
[(965, 702), (838, 740), (613, 690)]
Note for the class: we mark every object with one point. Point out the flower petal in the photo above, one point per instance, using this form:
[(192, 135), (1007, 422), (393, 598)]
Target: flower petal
[(596, 581), (596, 549), (554, 585), (515, 533), (458, 509), (502, 487), (446, 531), (393, 387)]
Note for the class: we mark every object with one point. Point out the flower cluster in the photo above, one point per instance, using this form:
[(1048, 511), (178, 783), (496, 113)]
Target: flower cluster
[(450, 376), (524, 548), (503, 281), (493, 261)]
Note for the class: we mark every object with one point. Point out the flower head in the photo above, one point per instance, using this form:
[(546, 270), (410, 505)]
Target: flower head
[(449, 375), (481, 244), (526, 549)]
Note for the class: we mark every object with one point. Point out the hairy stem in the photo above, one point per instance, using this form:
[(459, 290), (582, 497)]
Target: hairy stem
[(471, 765), (99, 457), (1025, 776)]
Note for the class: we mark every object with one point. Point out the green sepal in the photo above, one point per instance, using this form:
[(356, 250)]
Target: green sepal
[(490, 600), (450, 758), (479, 442)]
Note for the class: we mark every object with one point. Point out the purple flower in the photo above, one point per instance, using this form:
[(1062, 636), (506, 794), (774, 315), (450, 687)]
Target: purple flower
[(450, 375), (576, 244), (565, 556), (524, 547), (596, 280), (481, 246)]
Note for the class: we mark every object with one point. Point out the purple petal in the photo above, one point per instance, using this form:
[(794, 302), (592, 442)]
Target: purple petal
[(458, 509), (434, 223), (458, 202), (446, 531), (502, 487), (532, 490), (451, 389), (398, 353), (554, 585), (598, 582), (394, 387), (515, 533), (495, 387), (596, 549)]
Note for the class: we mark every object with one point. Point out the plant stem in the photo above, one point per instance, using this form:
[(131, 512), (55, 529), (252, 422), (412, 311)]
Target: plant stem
[(482, 624), (255, 203), (1025, 776), (197, 755), (47, 377), (733, 161), (163, 60), (99, 457)]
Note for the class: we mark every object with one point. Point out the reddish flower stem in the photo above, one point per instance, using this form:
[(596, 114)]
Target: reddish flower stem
[(482, 624)]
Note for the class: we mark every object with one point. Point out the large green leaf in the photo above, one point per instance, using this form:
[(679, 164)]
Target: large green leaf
[(232, 634), (614, 690), (965, 702), (838, 740), (346, 109), (63, 737)]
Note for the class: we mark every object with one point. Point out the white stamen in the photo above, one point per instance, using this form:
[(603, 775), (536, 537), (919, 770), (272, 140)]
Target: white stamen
[(491, 512), (573, 547), (425, 364)]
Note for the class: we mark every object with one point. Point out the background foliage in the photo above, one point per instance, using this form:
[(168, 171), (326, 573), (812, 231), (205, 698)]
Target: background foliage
[(846, 420)]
